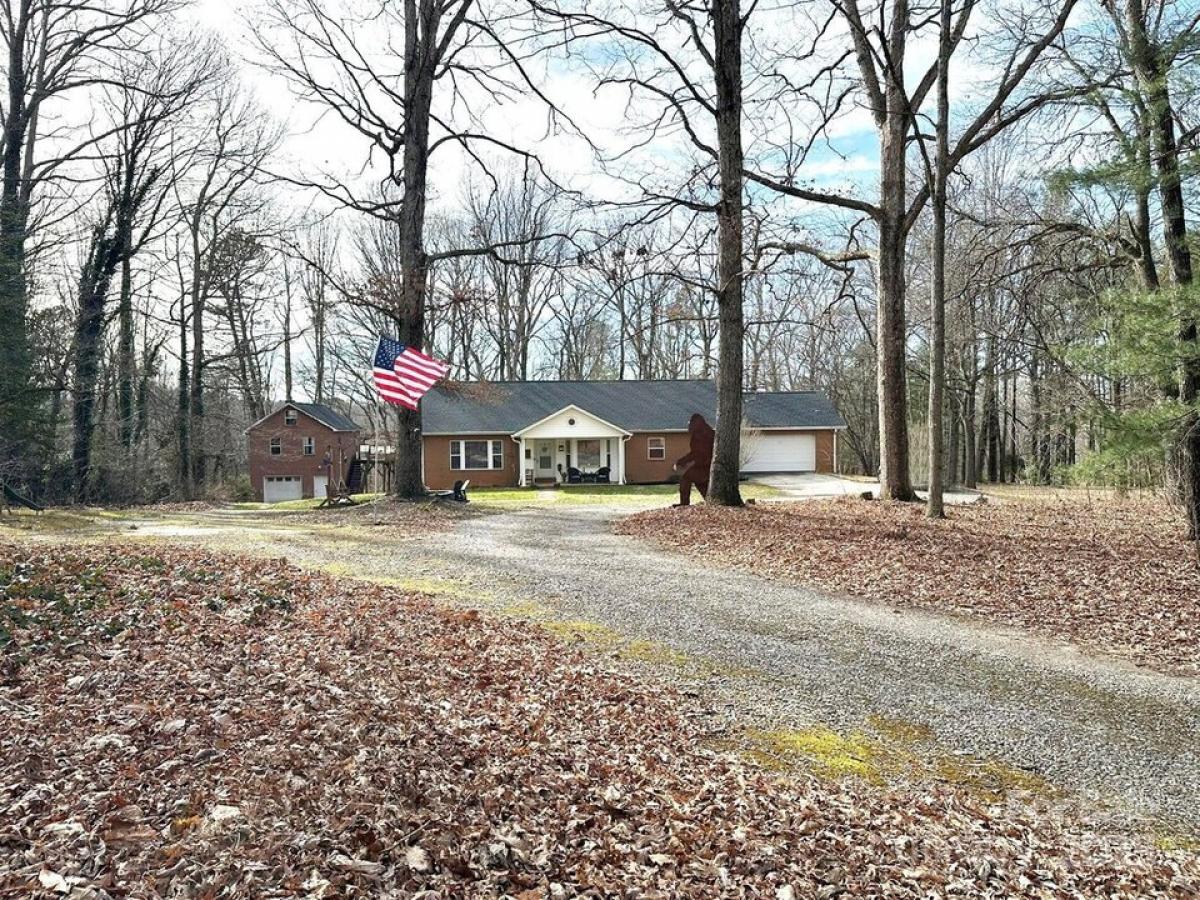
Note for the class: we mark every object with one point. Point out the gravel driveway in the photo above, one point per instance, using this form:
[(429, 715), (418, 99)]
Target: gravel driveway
[(1122, 738), (1103, 729)]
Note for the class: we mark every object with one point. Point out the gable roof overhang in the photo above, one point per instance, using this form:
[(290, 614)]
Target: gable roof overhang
[(300, 408), (531, 429)]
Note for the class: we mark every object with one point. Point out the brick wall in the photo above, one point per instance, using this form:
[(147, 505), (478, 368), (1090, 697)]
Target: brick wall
[(291, 461), (439, 475), (639, 468)]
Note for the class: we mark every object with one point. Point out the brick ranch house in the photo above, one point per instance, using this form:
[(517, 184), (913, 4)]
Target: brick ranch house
[(508, 434), (299, 449)]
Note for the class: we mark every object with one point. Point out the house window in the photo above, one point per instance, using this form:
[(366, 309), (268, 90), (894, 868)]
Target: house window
[(276, 447), (476, 454), (310, 447), (289, 417), (588, 455), (656, 448)]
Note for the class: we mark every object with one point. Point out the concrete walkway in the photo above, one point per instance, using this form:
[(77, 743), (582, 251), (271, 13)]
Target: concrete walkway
[(817, 486)]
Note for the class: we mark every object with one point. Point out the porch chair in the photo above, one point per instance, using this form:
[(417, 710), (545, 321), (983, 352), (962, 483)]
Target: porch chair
[(603, 475), (574, 476)]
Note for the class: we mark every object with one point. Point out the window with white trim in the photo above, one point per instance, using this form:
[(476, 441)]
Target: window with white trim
[(289, 416), (276, 446), (656, 448), (476, 455), (310, 447)]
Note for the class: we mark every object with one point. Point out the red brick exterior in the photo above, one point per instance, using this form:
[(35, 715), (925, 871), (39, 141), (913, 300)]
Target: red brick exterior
[(639, 468), (440, 477), (338, 447)]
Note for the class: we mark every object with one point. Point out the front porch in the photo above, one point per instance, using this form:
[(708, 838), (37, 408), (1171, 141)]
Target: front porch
[(572, 446)]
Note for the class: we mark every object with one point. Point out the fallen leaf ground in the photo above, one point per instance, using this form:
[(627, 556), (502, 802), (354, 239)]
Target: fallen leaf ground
[(178, 723), (1110, 574)]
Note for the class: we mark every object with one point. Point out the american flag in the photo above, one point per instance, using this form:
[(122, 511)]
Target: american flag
[(403, 374)]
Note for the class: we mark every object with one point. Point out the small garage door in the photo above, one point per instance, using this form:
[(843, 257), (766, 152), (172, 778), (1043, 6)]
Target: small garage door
[(766, 452), (277, 488), (320, 482)]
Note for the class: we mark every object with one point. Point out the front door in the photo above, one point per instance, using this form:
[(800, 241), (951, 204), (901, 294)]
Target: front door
[(543, 459)]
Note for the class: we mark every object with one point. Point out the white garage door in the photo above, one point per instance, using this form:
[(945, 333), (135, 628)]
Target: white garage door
[(320, 482), (766, 452), (277, 488)]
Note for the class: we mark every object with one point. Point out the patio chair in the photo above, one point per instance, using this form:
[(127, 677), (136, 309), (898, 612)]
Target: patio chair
[(603, 475), (458, 493), (574, 476)]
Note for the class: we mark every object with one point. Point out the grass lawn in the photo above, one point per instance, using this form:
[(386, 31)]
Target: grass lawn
[(1099, 570), (601, 493)]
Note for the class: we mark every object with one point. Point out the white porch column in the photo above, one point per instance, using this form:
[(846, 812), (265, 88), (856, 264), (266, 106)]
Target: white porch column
[(521, 462), (621, 459)]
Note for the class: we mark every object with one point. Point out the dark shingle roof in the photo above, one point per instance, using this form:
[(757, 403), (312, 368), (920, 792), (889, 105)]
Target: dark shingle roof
[(507, 407), (326, 416)]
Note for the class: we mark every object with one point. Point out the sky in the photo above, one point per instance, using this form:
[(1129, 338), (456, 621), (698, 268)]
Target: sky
[(316, 142), (846, 160)]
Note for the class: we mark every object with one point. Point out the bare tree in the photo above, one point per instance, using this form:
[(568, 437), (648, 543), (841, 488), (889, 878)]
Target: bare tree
[(54, 50), (692, 73), (152, 94), (880, 55), (215, 192), (456, 56)]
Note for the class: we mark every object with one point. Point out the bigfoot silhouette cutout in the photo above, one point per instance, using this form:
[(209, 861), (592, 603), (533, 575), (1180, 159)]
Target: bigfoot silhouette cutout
[(698, 460)]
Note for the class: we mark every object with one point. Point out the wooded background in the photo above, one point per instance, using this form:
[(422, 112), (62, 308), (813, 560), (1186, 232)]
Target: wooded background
[(979, 209)]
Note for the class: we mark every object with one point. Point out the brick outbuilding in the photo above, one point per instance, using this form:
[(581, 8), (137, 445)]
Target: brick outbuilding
[(299, 449)]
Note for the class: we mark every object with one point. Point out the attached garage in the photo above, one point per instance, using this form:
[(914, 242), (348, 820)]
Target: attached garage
[(788, 452), (278, 488)]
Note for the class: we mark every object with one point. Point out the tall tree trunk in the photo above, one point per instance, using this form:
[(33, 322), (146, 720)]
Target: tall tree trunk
[(1013, 450), (970, 436), (727, 58), (15, 360), (950, 467), (1037, 425), (183, 405), (410, 313), (1141, 223), (195, 476), (287, 333), (126, 363), (935, 507), (895, 479), (89, 333)]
